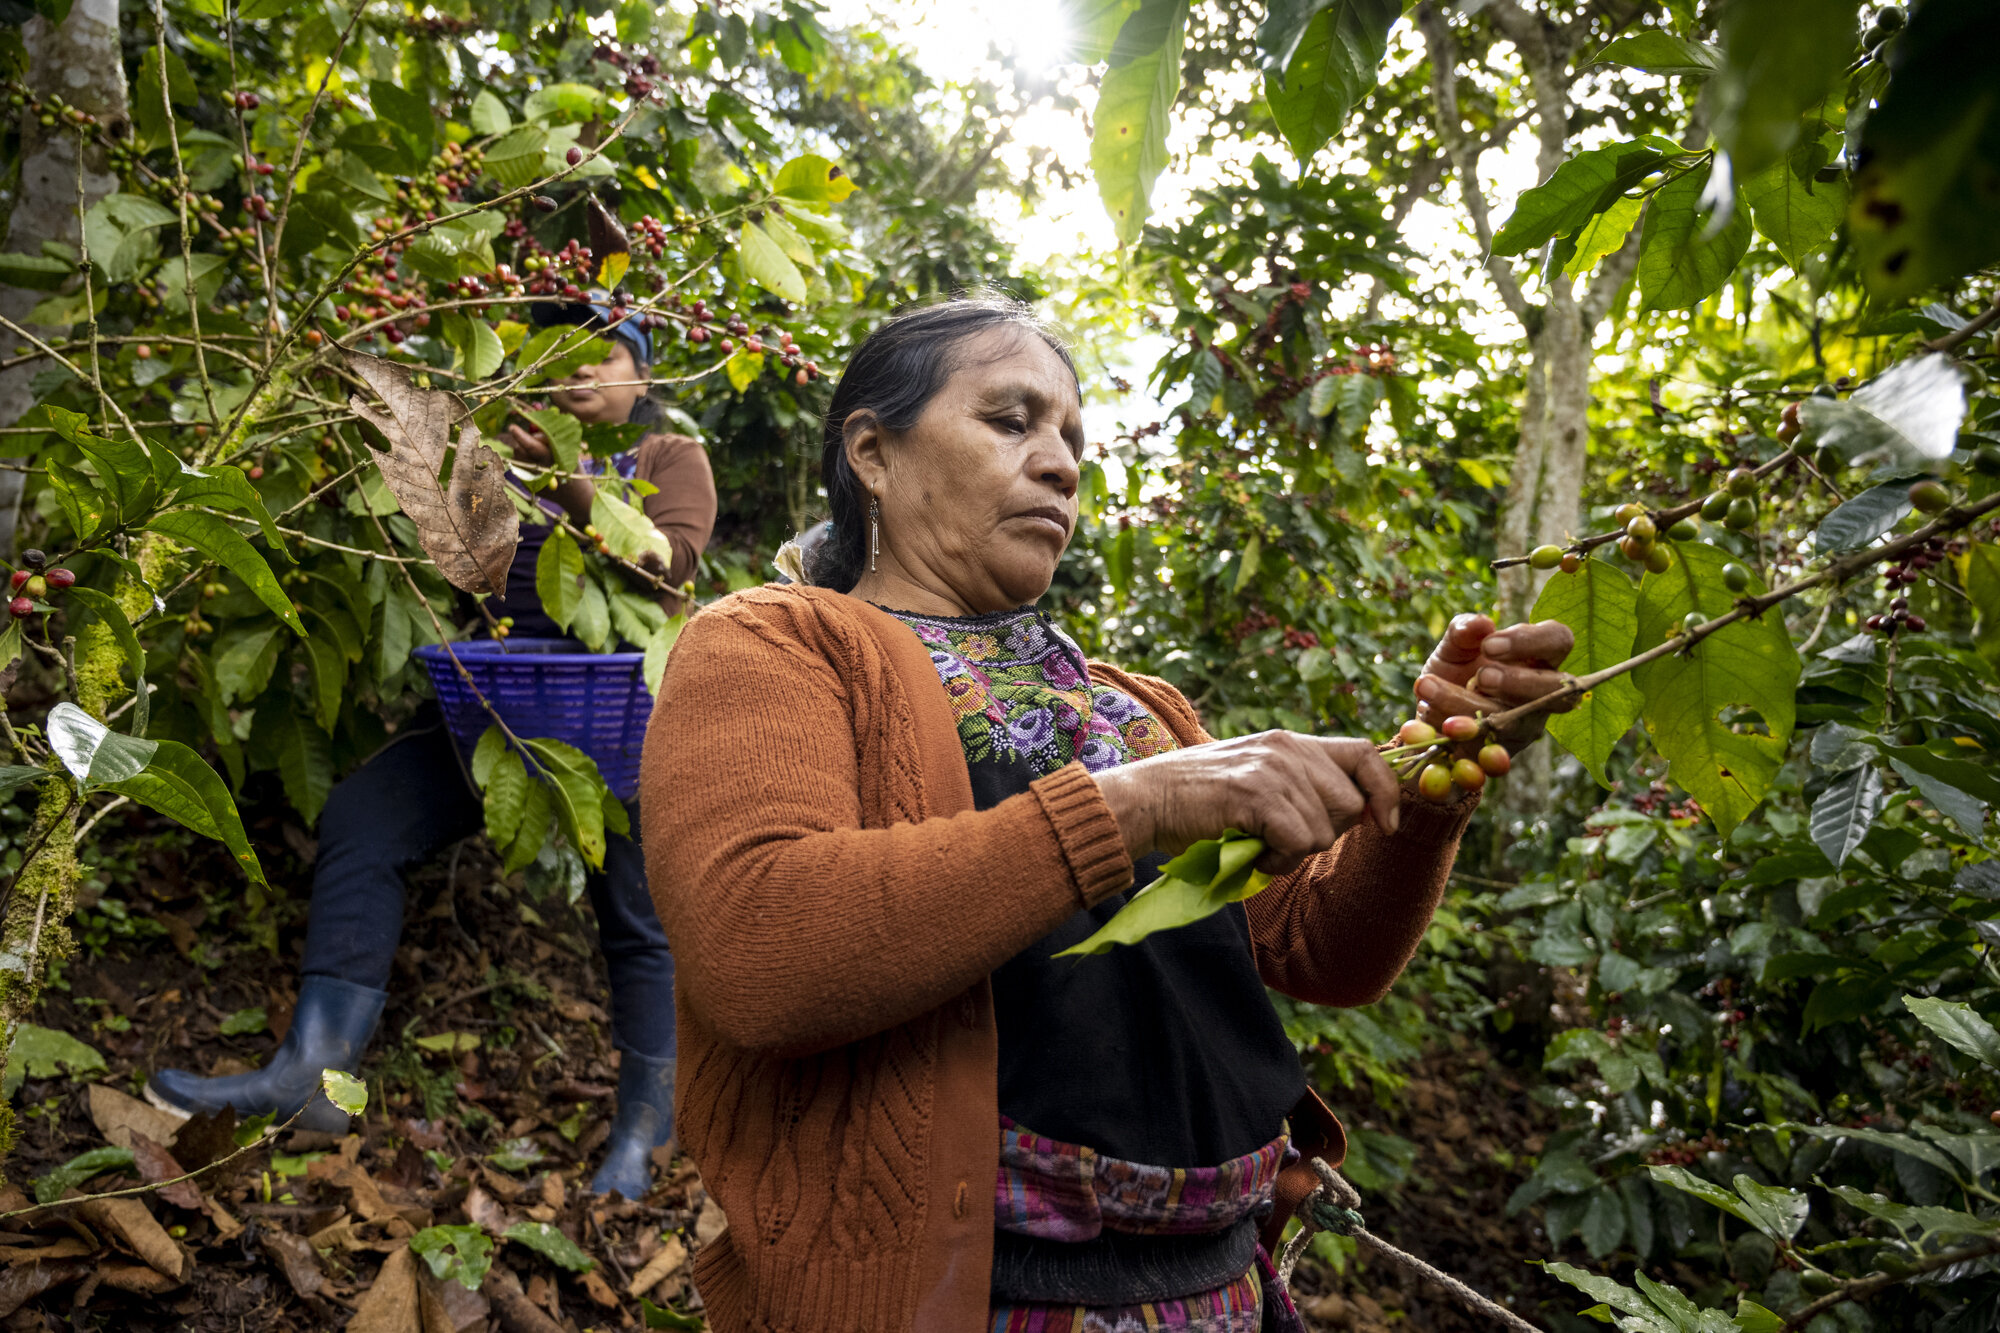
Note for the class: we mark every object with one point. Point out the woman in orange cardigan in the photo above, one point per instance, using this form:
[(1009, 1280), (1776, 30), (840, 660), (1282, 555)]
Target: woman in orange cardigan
[(879, 804)]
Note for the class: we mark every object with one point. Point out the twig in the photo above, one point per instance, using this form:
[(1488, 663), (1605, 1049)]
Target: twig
[(1820, 628), (106, 809), (1749, 608), (305, 127), (75, 370), (1971, 329), (1861, 1288)]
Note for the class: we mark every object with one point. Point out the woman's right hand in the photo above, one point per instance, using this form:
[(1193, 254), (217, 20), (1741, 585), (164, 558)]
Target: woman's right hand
[(528, 443), (1298, 793)]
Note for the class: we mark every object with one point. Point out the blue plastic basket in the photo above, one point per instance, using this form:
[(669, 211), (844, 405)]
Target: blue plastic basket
[(597, 702)]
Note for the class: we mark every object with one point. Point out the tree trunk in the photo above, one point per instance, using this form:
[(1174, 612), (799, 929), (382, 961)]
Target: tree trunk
[(79, 61)]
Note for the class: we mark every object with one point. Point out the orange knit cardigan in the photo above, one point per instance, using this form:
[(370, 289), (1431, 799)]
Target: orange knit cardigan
[(836, 907)]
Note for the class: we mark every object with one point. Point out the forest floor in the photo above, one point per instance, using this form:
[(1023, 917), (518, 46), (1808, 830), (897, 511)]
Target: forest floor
[(490, 1089)]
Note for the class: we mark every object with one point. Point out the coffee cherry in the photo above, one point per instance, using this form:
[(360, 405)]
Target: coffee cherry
[(1659, 560), (1692, 621), (1414, 732), (1466, 773), (1715, 506), (1930, 497), (1434, 783), (1571, 562), (21, 607), (143, 351), (1495, 759), (36, 587), (1915, 623), (62, 578), (1735, 577), (33, 558), (1633, 549), (1827, 460), (1545, 557), (545, 204), (1742, 513), (1683, 531), (1742, 481), (802, 378), (1460, 728), (1986, 459), (1641, 528), (16, 579)]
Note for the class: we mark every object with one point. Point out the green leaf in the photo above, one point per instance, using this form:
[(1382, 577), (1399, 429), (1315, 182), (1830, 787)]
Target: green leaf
[(120, 628), (1693, 699), (42, 273), (1930, 149), (1966, 811), (40, 1052), (1959, 1024), (812, 179), (1906, 417), (506, 797), (1845, 811), (305, 764), (1615, 1294), (328, 665), (575, 102), (71, 1174), (227, 488), (345, 1091), (626, 530), (177, 783), (1658, 51), (577, 793), (463, 1253), (1794, 210), (559, 577), (1331, 69), (563, 432), (1602, 235), (244, 1021), (15, 776), (480, 349), (551, 1244), (1198, 883), (516, 1154), (1128, 146), (489, 115), (1921, 1227), (515, 158), (1754, 1318), (765, 264), (91, 751), (1863, 518), (221, 543), (1603, 1224), (1780, 59), (1600, 605), (664, 1316), (1777, 1212), (1881, 1138), (1579, 189), (1094, 25), (408, 113), (1680, 265)]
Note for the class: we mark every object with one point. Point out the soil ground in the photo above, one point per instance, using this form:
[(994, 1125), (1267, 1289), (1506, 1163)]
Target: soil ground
[(490, 1086)]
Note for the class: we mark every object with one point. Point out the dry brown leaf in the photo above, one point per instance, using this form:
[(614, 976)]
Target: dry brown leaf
[(581, 1011), (69, 1247), (463, 1310), (710, 1223), (295, 1259), (128, 1220), (466, 522), (21, 1285), (117, 1115), (225, 1224), (139, 1278), (367, 1196), (658, 1268), (486, 1212), (515, 1311), (599, 1290), (156, 1164), (391, 1304)]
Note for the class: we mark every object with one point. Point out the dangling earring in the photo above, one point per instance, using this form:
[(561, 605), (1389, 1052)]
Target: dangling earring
[(874, 531)]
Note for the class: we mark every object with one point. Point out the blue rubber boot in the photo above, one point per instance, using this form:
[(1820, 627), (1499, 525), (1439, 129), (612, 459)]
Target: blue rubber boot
[(645, 1121), (330, 1028)]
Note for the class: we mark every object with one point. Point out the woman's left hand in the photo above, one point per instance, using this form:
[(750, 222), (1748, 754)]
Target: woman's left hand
[(1479, 669)]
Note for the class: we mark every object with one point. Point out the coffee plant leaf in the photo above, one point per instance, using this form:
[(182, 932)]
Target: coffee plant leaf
[(455, 491), (179, 784), (766, 264), (1722, 713), (1793, 209), (1600, 605), (551, 1244), (1196, 884), (1959, 1024), (1863, 518), (1660, 52), (1683, 257), (1920, 1226), (1968, 812), (1331, 68), (1845, 811), (1907, 416), (462, 1253), (559, 577), (120, 628), (1780, 57), (221, 543), (1579, 189), (1128, 147)]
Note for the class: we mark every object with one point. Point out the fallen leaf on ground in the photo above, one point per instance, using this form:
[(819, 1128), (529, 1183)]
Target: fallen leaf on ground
[(599, 1290), (391, 1303), (117, 1115), (517, 1314), (463, 1310), (156, 1164), (128, 1220), (295, 1259), (69, 1247), (23, 1284), (207, 1138), (486, 1212), (671, 1256), (710, 1223), (141, 1279)]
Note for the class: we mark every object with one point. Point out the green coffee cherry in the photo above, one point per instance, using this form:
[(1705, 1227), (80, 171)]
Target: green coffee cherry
[(1692, 621), (1683, 531), (1742, 514), (1545, 557), (1715, 507), (1735, 577)]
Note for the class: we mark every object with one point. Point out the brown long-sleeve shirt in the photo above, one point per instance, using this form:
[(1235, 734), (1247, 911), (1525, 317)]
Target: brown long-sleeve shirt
[(836, 906)]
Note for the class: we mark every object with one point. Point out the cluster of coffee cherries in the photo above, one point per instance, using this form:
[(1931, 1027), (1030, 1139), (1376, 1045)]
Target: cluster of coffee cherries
[(49, 110), (652, 236), (780, 345), (1451, 754), (1906, 573), (639, 73), (31, 585), (546, 269), (1735, 505)]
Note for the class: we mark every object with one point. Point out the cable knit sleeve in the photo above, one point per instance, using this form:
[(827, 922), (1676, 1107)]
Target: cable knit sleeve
[(795, 928)]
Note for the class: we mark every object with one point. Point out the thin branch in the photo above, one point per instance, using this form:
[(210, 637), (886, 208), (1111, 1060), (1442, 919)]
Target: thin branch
[(75, 370), (181, 196), (1973, 328), (1860, 1289), (305, 131)]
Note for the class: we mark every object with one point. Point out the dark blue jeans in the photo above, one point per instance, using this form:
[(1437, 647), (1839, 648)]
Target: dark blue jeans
[(402, 807)]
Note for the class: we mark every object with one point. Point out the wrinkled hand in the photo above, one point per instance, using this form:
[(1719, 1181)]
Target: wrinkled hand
[(528, 443), (1298, 793), (1478, 669)]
